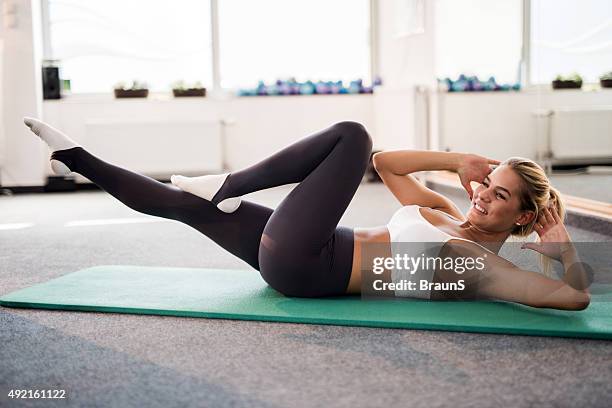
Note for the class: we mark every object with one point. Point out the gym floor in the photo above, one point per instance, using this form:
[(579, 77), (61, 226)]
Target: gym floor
[(134, 361), (591, 186)]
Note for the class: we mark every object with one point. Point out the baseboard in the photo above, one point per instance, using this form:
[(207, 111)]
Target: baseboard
[(60, 183)]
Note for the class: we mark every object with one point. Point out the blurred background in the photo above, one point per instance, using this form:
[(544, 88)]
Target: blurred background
[(500, 78)]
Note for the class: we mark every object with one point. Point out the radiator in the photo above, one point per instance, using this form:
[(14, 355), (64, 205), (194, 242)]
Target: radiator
[(158, 149), (579, 135)]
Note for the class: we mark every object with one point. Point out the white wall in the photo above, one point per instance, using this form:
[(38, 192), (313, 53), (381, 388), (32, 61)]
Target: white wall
[(21, 92), (2, 152), (497, 124), (502, 124), (258, 126), (404, 62), (265, 125), (261, 125)]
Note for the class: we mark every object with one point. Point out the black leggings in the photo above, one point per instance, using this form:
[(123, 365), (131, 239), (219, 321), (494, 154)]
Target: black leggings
[(298, 248)]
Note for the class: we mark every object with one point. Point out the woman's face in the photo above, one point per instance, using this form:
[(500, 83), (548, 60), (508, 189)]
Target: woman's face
[(496, 204)]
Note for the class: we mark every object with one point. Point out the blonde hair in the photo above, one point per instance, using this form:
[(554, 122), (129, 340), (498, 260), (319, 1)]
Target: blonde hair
[(536, 194)]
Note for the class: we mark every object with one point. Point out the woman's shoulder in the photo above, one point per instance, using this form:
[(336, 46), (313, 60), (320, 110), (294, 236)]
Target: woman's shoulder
[(453, 215)]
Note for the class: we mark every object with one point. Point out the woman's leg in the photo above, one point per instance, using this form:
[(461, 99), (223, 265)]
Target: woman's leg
[(300, 245), (302, 251), (239, 232), (289, 165)]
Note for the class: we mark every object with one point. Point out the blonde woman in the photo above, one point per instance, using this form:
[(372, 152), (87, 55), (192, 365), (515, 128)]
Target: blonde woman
[(300, 250)]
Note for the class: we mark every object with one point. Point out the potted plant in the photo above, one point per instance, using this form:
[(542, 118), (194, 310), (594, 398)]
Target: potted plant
[(573, 81), (136, 90), (180, 89), (606, 80)]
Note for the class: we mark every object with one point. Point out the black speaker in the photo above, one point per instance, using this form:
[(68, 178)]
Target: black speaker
[(51, 83)]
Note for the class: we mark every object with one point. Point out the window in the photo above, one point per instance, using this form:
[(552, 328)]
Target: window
[(479, 37), (570, 36), (100, 43), (272, 39)]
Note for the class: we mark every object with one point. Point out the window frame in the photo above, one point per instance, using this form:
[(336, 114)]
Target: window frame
[(526, 80), (526, 53), (215, 49), (526, 48)]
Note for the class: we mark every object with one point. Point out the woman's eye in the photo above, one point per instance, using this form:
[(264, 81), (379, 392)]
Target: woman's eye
[(500, 196)]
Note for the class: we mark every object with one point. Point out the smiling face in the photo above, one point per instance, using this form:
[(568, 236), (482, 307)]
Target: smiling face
[(496, 203)]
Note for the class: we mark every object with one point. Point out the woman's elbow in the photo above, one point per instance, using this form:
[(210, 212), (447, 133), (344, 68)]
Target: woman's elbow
[(377, 161), (582, 302), (574, 300), (579, 301)]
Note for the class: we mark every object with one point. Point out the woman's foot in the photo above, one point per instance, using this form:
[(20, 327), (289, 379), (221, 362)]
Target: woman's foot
[(55, 139), (207, 187)]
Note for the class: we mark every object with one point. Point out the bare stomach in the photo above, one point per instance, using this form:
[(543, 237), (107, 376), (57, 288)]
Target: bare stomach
[(369, 243)]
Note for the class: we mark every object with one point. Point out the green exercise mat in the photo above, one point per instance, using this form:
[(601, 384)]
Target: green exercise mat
[(241, 294)]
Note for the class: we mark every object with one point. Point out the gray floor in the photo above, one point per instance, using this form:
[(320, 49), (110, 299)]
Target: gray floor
[(153, 361), (592, 186)]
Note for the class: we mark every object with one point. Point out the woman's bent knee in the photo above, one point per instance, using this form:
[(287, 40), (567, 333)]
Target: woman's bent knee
[(356, 134), (355, 129)]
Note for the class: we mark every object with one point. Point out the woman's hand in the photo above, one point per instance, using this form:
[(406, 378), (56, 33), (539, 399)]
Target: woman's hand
[(554, 238), (474, 168)]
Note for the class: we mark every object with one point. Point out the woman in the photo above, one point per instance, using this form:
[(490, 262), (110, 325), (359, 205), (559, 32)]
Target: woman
[(300, 250)]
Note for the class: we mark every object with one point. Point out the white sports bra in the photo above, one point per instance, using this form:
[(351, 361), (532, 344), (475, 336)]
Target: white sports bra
[(411, 234), (409, 225)]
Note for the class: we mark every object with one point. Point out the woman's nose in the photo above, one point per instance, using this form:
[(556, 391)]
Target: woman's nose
[(484, 194)]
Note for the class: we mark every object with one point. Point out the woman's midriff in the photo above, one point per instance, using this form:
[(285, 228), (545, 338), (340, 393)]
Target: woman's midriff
[(369, 243)]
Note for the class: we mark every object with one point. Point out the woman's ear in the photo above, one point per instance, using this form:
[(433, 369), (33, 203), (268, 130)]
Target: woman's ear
[(525, 217)]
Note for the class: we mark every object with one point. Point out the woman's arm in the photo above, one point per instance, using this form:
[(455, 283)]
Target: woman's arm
[(556, 243), (501, 279), (395, 167), (401, 162), (514, 284)]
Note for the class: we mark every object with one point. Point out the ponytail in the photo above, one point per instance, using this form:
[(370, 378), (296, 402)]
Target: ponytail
[(536, 194), (554, 201)]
